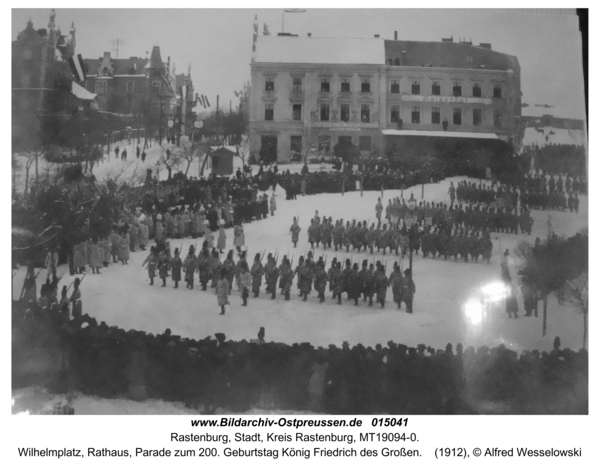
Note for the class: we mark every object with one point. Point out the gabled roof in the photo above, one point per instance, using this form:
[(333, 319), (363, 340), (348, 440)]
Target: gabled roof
[(292, 49), (120, 66), (448, 55)]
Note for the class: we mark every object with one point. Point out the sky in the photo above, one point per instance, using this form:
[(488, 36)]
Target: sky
[(217, 43)]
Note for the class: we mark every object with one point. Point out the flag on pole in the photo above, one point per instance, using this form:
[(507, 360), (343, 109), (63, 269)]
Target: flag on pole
[(77, 67)]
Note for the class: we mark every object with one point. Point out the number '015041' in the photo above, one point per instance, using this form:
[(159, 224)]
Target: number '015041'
[(389, 422)]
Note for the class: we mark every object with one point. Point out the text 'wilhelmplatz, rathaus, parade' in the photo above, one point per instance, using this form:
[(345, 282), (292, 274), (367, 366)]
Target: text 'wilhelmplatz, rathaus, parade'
[(311, 92)]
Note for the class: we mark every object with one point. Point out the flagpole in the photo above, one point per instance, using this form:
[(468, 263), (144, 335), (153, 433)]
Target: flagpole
[(282, 20)]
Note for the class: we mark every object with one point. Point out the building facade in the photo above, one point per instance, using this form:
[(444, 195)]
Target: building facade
[(41, 80), (132, 86), (308, 94)]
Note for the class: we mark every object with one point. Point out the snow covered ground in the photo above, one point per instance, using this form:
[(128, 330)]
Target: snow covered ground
[(133, 168), (122, 296)]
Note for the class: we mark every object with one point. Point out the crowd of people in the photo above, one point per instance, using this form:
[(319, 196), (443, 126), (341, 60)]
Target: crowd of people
[(539, 192), (219, 375)]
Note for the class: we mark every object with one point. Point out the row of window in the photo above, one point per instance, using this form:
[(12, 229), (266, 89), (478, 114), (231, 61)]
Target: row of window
[(415, 87), (130, 87), (324, 112), (324, 143), (365, 85), (436, 89), (365, 114), (457, 116)]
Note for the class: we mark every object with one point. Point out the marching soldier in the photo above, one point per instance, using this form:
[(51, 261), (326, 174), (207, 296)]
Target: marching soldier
[(245, 282), (215, 268), (306, 277), (163, 267), (271, 275), (204, 264), (370, 284), (378, 210), (408, 292), (381, 284), (397, 283), (320, 281), (287, 278), (257, 272), (222, 291), (295, 230), (76, 310), (229, 266), (152, 261), (176, 265), (337, 281)]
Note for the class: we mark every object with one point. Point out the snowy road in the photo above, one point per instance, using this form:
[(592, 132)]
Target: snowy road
[(122, 296)]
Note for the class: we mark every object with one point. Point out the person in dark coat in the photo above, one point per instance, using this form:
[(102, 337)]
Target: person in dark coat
[(408, 291), (512, 306), (152, 261), (176, 265), (163, 267)]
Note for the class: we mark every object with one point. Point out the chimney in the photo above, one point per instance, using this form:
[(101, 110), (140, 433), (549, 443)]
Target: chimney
[(106, 54), (395, 35), (376, 35), (309, 34)]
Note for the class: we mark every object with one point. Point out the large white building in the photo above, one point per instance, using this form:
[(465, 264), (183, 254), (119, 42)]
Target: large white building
[(309, 92)]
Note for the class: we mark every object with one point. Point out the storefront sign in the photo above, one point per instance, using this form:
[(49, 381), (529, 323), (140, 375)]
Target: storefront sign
[(448, 99)]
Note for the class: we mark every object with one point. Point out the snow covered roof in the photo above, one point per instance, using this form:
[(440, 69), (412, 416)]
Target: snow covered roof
[(82, 93), (433, 133), (291, 49), (448, 55)]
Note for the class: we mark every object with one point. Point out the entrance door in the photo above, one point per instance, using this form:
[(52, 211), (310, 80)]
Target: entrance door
[(268, 148)]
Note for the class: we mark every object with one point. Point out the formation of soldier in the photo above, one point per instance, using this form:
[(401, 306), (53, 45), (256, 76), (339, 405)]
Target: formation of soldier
[(369, 283), (538, 193)]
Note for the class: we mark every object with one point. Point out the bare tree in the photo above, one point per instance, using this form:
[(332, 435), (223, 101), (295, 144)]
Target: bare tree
[(243, 149), (576, 292), (32, 157), (187, 152), (168, 159)]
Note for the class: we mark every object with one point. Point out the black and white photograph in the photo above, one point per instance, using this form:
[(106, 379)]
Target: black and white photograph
[(299, 211)]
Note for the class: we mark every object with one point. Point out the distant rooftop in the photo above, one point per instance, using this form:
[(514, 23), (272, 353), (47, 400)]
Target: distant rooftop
[(377, 51), (447, 55)]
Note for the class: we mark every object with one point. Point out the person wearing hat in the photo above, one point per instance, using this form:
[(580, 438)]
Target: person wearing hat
[(63, 305), (397, 283), (271, 275), (204, 264), (229, 266), (257, 272), (306, 275), (222, 291), (238, 237), (381, 284), (76, 310), (320, 281), (159, 229), (273, 204), (215, 268), (152, 261), (409, 290), (208, 235), (295, 230), (176, 265), (353, 284), (378, 210), (164, 264), (362, 280), (287, 278), (244, 281)]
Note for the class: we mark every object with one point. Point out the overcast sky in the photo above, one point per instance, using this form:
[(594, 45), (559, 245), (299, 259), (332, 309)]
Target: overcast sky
[(218, 43)]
